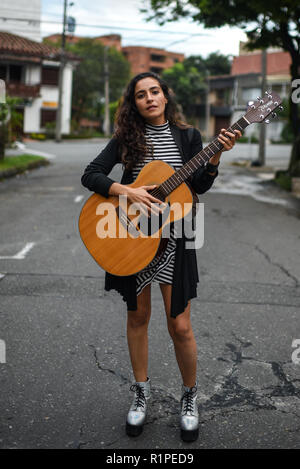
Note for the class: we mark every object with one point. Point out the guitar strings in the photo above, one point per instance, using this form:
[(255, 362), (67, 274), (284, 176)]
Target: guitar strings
[(250, 113)]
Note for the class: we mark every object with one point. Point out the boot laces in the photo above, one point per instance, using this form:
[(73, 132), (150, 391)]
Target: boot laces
[(139, 395), (187, 400)]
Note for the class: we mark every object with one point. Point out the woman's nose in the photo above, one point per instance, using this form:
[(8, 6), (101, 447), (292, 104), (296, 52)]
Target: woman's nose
[(149, 97)]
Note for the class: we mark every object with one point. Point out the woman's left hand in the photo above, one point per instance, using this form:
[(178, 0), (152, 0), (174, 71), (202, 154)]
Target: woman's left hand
[(228, 139)]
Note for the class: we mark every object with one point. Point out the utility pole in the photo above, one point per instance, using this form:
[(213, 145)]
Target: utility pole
[(207, 106), (60, 79), (106, 124), (262, 130)]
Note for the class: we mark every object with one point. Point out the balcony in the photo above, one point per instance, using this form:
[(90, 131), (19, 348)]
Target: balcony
[(20, 90)]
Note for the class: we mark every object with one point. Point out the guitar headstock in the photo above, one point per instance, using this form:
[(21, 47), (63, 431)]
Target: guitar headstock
[(259, 110)]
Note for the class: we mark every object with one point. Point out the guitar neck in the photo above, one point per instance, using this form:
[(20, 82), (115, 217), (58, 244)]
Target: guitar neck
[(199, 160)]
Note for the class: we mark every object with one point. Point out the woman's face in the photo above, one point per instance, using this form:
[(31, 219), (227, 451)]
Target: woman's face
[(150, 100)]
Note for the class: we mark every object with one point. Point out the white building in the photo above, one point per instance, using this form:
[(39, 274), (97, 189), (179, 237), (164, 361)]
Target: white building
[(21, 17), (30, 70)]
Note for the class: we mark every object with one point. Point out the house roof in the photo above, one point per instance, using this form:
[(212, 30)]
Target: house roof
[(277, 63), (12, 45)]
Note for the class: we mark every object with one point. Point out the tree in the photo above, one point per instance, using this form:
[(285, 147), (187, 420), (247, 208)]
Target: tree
[(270, 23), (88, 81), (10, 119), (215, 63), (88, 77), (187, 84)]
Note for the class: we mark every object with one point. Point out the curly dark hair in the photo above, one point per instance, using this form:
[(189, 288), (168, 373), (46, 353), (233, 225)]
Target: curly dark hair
[(130, 125)]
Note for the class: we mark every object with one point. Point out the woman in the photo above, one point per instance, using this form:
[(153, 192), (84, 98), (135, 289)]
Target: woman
[(147, 127)]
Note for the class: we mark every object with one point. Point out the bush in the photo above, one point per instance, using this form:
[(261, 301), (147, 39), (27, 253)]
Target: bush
[(249, 139), (38, 136), (283, 179), (287, 135)]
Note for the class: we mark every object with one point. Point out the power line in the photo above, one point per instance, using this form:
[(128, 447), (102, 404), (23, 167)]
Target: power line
[(97, 26)]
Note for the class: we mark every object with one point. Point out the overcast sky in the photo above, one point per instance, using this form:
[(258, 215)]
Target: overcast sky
[(109, 16)]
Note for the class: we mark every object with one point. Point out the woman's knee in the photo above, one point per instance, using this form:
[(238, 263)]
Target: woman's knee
[(139, 318), (180, 330)]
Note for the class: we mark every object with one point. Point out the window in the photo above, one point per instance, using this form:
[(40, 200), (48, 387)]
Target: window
[(250, 94), (12, 73), (157, 70), (3, 69), (15, 73), (47, 115), (50, 76), (158, 58)]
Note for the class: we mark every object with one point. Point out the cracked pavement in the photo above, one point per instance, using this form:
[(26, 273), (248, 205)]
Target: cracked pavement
[(66, 380)]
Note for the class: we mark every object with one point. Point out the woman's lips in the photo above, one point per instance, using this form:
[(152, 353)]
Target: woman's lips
[(151, 108)]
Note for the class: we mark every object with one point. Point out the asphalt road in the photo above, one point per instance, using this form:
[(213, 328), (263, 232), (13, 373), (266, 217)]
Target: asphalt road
[(66, 376)]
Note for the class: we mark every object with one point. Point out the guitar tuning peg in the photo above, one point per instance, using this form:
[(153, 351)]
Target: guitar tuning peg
[(261, 101), (267, 121), (281, 108), (258, 98), (274, 115)]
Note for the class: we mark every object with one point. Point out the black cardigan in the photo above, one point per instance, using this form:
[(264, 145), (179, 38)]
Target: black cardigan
[(185, 278)]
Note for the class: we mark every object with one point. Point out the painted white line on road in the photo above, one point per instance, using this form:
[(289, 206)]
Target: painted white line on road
[(2, 276), (21, 146), (40, 153), (78, 198), (21, 254)]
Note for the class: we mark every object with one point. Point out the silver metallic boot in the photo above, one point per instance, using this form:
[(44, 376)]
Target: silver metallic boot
[(189, 416), (137, 412)]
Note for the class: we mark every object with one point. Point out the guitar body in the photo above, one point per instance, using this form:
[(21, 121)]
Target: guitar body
[(125, 250)]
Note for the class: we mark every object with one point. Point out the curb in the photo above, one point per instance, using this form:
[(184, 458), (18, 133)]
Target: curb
[(7, 173)]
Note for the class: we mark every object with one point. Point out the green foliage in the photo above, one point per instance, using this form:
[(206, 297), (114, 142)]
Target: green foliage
[(88, 81), (287, 134), (188, 85), (215, 63), (10, 122), (112, 110), (283, 179), (266, 18), (36, 136), (19, 162)]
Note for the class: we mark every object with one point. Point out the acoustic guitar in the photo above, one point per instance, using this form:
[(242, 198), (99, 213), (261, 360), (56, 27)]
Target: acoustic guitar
[(121, 237)]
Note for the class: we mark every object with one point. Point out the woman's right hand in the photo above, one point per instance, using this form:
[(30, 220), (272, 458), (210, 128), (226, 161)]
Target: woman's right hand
[(141, 196)]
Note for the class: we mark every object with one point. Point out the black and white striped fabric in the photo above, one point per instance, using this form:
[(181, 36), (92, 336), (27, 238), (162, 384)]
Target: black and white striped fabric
[(164, 148)]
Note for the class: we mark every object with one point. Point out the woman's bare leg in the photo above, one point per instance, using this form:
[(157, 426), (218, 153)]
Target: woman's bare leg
[(137, 334), (181, 332)]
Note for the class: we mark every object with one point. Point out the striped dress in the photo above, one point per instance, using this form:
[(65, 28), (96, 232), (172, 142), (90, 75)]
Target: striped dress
[(165, 149)]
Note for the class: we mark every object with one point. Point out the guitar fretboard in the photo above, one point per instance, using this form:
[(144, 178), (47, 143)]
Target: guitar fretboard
[(200, 159)]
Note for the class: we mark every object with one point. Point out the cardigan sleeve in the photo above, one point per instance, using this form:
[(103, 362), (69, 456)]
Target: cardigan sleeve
[(201, 180), (95, 174)]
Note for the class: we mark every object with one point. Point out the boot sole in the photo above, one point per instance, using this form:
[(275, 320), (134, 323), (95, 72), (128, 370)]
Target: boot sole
[(133, 430), (190, 435)]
